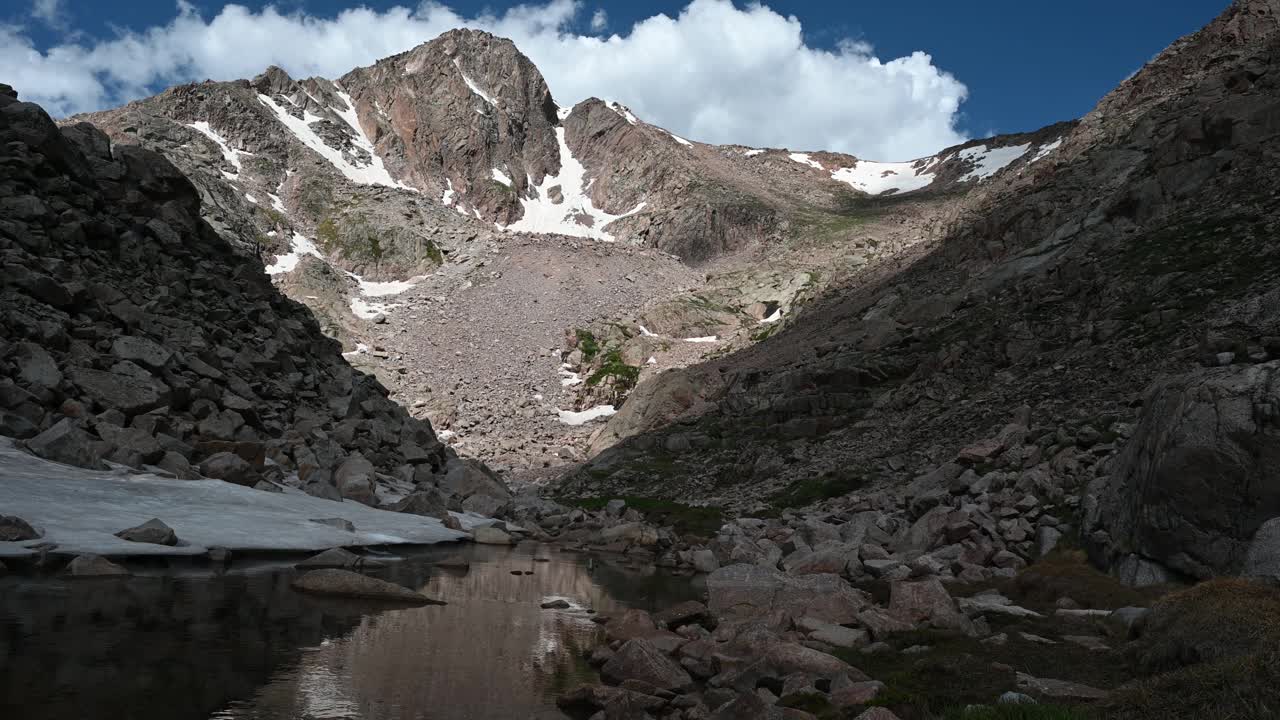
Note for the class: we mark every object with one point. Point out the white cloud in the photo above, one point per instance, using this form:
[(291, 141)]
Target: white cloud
[(599, 20), (715, 72), (49, 12)]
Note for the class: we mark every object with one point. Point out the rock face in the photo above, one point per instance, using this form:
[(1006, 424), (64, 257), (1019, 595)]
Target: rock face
[(139, 334), (1200, 476), (345, 583)]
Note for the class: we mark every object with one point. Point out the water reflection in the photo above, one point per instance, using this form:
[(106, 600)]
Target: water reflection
[(245, 647)]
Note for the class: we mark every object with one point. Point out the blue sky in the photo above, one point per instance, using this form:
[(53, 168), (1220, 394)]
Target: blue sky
[(1022, 65)]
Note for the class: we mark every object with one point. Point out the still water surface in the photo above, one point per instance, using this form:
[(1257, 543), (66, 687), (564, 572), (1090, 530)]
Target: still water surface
[(243, 646)]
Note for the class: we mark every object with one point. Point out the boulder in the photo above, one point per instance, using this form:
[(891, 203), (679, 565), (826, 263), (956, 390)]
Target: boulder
[(93, 566), (680, 614), (128, 393), (754, 590), (491, 536), (427, 502), (858, 693), (339, 558), (36, 367), (639, 659), (141, 351), (1058, 690), (15, 529), (637, 533), (1198, 478), (351, 584), (152, 531), (485, 505), (1263, 556), (465, 477), (630, 624), (704, 561), (354, 479), (66, 442), (230, 467), (918, 601)]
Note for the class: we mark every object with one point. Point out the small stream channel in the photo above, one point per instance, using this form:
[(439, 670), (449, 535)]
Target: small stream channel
[(241, 645)]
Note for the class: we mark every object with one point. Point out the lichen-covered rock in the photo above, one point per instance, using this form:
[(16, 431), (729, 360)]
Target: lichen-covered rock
[(152, 531)]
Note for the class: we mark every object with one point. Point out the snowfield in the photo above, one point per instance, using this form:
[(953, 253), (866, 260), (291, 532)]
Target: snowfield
[(372, 174), (876, 178), (569, 417), (575, 215), (81, 510), (300, 246), (988, 162)]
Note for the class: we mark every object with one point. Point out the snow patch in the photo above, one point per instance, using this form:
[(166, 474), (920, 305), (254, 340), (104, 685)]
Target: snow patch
[(277, 203), (81, 510), (678, 139), (569, 378), (543, 215), (651, 361), (382, 288), (368, 310), (251, 198), (447, 198), (645, 331), (229, 154), (707, 339), (474, 87), (1045, 150), (752, 153), (361, 349), (299, 246), (569, 417), (624, 112), (804, 159), (371, 174), (988, 162), (501, 177), (875, 178), (775, 317)]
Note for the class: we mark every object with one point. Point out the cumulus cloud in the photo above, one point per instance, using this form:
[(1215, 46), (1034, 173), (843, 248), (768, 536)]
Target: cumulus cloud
[(715, 72)]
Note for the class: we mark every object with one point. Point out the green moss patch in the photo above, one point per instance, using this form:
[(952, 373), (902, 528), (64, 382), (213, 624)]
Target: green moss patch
[(686, 519)]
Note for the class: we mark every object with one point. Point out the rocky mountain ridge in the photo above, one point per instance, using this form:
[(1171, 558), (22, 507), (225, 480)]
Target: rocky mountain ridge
[(134, 334), (1140, 248)]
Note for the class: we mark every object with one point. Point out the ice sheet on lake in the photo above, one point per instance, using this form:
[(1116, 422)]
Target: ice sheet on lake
[(80, 511)]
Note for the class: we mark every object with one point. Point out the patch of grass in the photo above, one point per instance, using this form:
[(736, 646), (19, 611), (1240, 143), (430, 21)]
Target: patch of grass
[(1067, 573), (624, 376), (765, 332), (1241, 688), (275, 217), (1017, 712), (1219, 619), (686, 519), (587, 343), (823, 487)]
